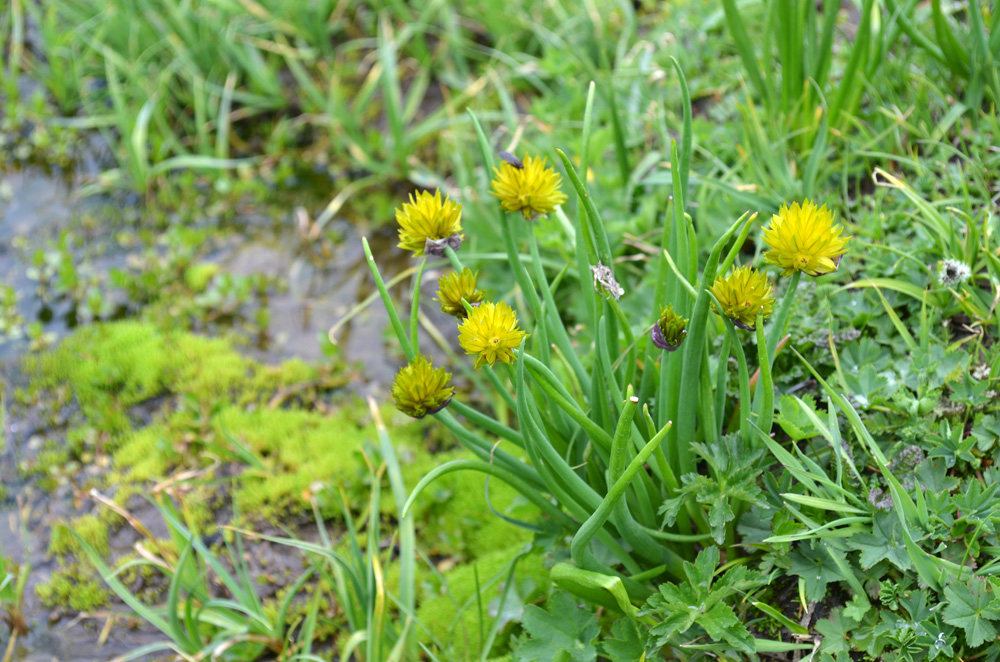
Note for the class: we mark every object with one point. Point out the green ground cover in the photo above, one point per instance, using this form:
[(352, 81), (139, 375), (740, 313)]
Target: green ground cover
[(822, 486)]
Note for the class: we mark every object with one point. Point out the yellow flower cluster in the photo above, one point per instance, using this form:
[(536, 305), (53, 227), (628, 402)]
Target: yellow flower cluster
[(420, 389), (490, 333), (801, 237), (428, 219), (742, 294), (527, 187), (804, 238)]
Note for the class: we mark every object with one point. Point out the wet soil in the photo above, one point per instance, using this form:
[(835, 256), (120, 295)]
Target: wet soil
[(320, 280)]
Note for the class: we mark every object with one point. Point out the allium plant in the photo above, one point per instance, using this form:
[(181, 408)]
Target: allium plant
[(609, 431)]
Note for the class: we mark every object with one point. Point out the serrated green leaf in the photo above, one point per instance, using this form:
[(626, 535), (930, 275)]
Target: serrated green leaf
[(626, 643), (563, 631), (857, 607), (816, 569), (969, 608), (884, 542), (836, 633)]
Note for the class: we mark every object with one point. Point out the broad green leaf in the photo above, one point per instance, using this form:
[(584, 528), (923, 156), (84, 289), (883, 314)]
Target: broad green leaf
[(836, 632), (969, 608), (816, 569), (884, 542), (562, 632), (625, 643)]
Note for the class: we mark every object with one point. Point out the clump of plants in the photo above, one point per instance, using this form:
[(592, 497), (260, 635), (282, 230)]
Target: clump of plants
[(681, 519)]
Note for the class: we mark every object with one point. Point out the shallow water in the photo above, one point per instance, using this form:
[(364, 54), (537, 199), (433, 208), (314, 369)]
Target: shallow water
[(323, 281)]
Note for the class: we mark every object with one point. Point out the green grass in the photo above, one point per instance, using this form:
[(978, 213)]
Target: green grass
[(862, 484)]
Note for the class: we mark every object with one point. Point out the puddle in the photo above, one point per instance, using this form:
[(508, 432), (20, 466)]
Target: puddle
[(319, 282)]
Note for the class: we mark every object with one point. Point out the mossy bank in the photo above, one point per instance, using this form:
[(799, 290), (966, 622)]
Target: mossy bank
[(134, 413)]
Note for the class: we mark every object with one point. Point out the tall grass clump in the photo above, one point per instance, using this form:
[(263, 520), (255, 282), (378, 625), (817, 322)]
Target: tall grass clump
[(614, 421)]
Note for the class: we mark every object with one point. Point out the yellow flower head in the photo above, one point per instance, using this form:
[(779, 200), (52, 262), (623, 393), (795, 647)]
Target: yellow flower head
[(455, 286), (804, 238), (426, 218), (743, 293), (420, 389), (490, 331), (532, 189)]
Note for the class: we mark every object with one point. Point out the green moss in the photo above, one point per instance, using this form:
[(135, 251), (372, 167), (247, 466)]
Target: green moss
[(196, 277), (124, 362), (450, 613), (75, 587), (297, 448), (453, 515), (92, 528), (111, 367)]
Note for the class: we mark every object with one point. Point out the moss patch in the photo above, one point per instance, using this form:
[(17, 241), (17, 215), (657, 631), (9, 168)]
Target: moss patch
[(253, 436), (74, 586), (449, 611)]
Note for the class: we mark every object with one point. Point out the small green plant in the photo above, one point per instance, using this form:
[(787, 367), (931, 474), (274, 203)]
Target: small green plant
[(13, 581), (198, 618), (583, 444), (963, 38)]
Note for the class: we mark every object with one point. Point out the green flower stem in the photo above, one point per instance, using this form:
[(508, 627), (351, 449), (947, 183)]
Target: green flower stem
[(629, 340), (625, 431), (721, 378), (390, 307), (661, 467), (488, 423), (774, 338), (574, 382), (486, 451), (524, 282), (694, 348), (681, 239), (502, 390), (602, 442), (579, 548), (407, 531), (741, 359), (738, 244), (564, 483), (531, 445), (536, 438), (558, 328), (602, 244), (765, 384), (415, 303), (680, 277), (602, 355), (542, 310), (528, 491), (778, 323), (687, 130), (644, 487), (706, 403), (452, 256)]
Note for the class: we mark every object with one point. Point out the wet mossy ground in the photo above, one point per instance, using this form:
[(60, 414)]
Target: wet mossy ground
[(141, 410)]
